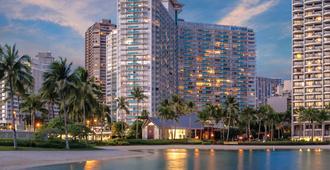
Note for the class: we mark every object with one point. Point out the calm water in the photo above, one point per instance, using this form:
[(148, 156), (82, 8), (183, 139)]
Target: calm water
[(175, 159)]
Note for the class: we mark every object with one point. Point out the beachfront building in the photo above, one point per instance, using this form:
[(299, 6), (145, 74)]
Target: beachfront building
[(95, 50), (156, 128), (143, 54), (310, 64), (265, 88), (216, 61)]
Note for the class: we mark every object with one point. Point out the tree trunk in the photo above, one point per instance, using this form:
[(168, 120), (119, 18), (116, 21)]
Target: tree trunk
[(13, 115), (259, 129), (33, 121), (228, 131), (84, 115), (249, 130), (53, 112), (65, 125), (265, 135), (136, 122), (322, 131), (272, 131), (312, 131), (174, 130)]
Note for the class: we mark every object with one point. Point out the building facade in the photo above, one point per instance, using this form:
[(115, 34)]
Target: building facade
[(40, 64), (216, 61), (265, 88), (145, 55), (310, 63), (95, 50), (6, 116)]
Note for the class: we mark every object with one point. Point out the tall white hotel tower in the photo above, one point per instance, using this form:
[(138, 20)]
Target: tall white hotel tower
[(311, 64), (142, 52)]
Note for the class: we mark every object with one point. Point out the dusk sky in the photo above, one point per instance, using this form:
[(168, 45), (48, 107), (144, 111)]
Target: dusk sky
[(58, 26)]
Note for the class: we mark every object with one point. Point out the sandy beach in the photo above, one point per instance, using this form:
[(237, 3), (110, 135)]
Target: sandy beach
[(25, 159)]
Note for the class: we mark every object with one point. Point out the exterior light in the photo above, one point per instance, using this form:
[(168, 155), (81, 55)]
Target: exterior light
[(38, 125)]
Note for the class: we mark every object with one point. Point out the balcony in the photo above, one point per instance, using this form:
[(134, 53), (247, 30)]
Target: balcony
[(313, 28), (313, 7), (312, 14), (297, 3), (312, 1)]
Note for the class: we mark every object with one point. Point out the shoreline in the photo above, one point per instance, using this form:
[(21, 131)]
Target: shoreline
[(30, 159), (217, 147)]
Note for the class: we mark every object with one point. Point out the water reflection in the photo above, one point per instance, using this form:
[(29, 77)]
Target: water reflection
[(176, 159), (196, 159), (211, 163), (92, 165), (240, 161), (199, 159)]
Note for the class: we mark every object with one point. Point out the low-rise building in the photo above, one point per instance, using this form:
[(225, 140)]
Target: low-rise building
[(156, 128)]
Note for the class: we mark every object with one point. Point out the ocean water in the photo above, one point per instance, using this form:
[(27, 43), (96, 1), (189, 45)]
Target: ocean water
[(181, 159)]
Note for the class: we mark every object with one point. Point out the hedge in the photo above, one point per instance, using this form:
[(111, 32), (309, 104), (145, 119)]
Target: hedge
[(57, 144)]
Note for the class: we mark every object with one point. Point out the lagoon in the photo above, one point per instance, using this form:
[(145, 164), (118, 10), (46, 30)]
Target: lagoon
[(209, 159)]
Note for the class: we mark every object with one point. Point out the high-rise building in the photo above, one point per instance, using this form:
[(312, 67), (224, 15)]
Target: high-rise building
[(216, 61), (6, 110), (40, 64), (95, 50), (265, 88), (146, 53), (310, 64)]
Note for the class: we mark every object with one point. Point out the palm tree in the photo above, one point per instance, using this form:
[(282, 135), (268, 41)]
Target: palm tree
[(33, 104), (231, 110), (48, 94), (261, 117), (86, 92), (180, 108), (310, 115), (248, 116), (123, 106), (323, 116), (271, 119), (139, 96), (61, 75), (166, 112), (203, 116), (190, 110), (15, 71)]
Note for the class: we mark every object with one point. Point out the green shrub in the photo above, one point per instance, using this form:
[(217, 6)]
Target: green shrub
[(58, 144)]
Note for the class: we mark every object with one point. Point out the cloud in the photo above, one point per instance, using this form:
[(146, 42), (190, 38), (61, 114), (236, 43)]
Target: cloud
[(77, 15), (246, 10)]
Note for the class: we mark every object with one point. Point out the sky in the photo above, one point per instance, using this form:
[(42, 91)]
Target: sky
[(58, 26)]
